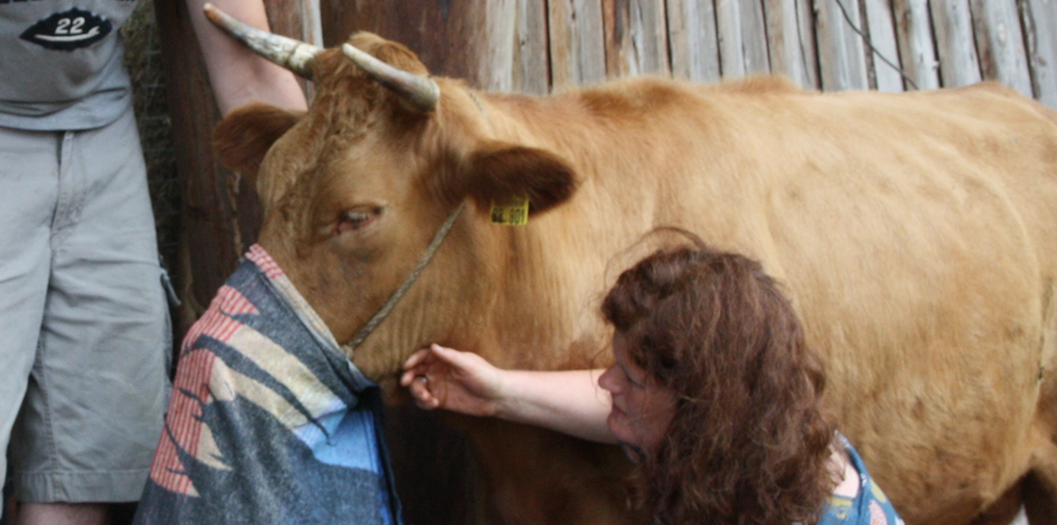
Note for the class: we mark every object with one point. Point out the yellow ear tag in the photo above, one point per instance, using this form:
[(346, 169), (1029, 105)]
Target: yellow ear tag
[(512, 212)]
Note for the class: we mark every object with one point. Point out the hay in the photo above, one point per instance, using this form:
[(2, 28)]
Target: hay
[(144, 64)]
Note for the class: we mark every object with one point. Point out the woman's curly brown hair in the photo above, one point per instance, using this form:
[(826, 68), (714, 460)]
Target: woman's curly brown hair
[(749, 443)]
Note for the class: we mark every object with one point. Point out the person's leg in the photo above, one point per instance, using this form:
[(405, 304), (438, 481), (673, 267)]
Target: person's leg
[(61, 513), (93, 421), (28, 192)]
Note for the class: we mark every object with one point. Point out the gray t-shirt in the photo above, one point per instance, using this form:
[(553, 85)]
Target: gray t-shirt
[(61, 63)]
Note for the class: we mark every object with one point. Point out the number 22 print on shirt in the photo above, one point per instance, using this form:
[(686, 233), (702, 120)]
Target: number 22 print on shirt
[(68, 30)]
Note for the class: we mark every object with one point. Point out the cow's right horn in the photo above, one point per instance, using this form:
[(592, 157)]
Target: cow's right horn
[(421, 92), (291, 54)]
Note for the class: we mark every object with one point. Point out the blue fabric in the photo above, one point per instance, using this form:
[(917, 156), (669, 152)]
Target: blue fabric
[(870, 507), (269, 422)]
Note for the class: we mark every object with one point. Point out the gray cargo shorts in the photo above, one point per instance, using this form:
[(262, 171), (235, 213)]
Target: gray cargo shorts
[(84, 325)]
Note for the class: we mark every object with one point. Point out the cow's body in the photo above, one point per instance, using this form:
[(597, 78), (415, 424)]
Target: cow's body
[(916, 234)]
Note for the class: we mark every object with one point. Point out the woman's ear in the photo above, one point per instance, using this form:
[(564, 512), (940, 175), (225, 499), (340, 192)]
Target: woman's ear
[(243, 138), (499, 172)]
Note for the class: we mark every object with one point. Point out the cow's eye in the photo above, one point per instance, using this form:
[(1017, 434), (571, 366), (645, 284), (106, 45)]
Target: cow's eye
[(358, 218)]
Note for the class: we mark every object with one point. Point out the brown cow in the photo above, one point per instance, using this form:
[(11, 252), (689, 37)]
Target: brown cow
[(916, 233)]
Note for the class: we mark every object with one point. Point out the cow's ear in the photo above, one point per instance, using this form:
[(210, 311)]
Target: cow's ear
[(499, 172), (246, 134)]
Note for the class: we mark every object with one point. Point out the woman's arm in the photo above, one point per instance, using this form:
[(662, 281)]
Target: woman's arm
[(566, 401), (239, 76)]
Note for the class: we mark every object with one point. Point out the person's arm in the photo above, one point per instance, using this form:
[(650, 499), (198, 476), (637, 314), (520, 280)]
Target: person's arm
[(237, 75), (566, 401)]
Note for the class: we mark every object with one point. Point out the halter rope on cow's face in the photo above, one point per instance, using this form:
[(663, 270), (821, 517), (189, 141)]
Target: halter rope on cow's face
[(419, 92)]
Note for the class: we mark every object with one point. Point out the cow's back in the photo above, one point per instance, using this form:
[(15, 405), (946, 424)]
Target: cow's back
[(915, 234)]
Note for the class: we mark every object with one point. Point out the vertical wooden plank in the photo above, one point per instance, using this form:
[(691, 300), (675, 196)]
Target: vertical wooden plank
[(783, 37), (635, 37), (449, 37), (1040, 19), (916, 49), (887, 74), (621, 59), (754, 37), (577, 43), (805, 10), (728, 26), (495, 69), (531, 68), (742, 37), (1000, 43), (693, 40), (842, 57), (649, 29), (954, 36), (494, 45), (311, 22)]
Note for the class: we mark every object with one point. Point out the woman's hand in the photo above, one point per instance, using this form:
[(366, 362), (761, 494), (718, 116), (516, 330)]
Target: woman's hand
[(567, 401), (440, 377)]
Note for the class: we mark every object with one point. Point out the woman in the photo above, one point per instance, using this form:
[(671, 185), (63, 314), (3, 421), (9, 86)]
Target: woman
[(713, 394)]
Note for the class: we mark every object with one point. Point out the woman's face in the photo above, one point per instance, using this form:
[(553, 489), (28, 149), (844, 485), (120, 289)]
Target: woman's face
[(642, 409)]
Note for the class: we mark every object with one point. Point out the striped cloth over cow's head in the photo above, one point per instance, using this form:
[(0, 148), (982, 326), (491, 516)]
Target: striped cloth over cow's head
[(269, 422)]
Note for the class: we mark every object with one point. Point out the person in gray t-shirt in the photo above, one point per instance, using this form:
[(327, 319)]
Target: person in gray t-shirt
[(84, 379)]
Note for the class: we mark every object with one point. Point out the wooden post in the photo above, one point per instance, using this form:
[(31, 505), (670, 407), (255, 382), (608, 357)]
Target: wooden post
[(1039, 18), (886, 67), (1000, 43), (693, 41), (916, 49), (728, 27), (806, 22), (532, 68), (577, 43), (841, 53), (952, 22), (636, 38), (792, 52)]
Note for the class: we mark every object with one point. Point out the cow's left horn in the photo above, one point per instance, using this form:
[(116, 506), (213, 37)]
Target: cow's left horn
[(421, 92), (291, 54)]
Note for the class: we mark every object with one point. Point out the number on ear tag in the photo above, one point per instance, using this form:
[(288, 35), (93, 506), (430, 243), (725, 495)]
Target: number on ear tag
[(513, 212)]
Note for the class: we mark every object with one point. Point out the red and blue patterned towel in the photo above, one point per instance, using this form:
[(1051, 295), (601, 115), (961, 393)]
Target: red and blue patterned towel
[(269, 422)]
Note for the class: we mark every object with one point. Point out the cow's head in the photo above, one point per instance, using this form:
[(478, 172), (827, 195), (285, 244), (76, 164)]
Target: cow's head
[(354, 190)]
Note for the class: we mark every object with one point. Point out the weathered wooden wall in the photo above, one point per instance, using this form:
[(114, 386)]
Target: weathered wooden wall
[(540, 46), (536, 46)]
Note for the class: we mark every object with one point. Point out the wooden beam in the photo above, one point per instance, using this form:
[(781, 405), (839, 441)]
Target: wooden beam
[(842, 56), (498, 28), (728, 26), (693, 40), (754, 37), (742, 38), (1039, 18), (577, 43), (887, 72), (636, 37), (786, 43), (1000, 43), (952, 21), (916, 48), (806, 20), (531, 64)]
